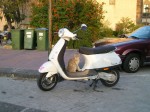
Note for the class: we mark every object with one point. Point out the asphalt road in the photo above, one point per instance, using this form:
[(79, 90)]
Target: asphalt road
[(131, 94), (7, 107)]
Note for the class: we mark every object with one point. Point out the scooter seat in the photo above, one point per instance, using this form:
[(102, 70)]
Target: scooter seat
[(97, 50)]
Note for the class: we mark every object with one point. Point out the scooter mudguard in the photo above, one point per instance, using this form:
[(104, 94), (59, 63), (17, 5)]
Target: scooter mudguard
[(48, 67)]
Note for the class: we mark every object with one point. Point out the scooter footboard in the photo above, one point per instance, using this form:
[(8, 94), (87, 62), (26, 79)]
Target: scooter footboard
[(84, 73), (48, 67)]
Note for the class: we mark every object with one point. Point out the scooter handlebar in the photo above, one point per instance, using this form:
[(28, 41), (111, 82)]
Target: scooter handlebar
[(78, 38), (75, 37)]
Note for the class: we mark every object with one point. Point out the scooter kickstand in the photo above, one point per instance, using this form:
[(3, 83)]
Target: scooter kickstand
[(94, 84)]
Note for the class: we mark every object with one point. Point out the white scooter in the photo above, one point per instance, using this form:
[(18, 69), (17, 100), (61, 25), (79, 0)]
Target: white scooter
[(100, 64)]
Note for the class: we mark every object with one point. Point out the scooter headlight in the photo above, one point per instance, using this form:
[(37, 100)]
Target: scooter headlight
[(61, 32)]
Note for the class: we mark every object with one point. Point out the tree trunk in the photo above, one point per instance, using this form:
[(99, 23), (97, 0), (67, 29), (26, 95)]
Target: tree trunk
[(139, 11), (9, 23)]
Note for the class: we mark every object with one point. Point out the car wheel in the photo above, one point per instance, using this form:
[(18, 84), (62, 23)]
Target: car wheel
[(131, 63)]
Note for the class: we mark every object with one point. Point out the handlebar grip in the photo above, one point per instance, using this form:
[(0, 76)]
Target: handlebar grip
[(78, 37)]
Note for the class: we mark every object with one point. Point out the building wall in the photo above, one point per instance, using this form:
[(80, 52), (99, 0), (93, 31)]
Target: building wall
[(116, 9)]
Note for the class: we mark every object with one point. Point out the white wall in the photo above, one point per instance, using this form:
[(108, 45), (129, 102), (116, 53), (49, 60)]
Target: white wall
[(121, 8)]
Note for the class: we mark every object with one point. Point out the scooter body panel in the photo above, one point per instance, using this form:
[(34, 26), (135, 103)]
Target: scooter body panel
[(56, 50), (48, 67), (55, 56), (101, 60)]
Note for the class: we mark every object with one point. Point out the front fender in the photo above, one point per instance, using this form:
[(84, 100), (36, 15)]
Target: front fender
[(131, 50), (48, 67)]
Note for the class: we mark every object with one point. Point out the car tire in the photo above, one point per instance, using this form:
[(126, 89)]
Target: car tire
[(131, 63)]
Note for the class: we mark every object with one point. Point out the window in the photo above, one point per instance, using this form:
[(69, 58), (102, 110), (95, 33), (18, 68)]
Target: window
[(145, 6), (141, 33)]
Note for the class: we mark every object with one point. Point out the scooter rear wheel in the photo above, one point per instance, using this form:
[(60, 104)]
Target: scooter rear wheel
[(47, 84), (111, 83)]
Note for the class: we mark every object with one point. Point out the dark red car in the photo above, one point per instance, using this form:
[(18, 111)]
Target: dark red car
[(135, 50)]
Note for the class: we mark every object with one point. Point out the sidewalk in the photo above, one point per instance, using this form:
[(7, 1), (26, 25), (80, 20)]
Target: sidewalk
[(25, 63)]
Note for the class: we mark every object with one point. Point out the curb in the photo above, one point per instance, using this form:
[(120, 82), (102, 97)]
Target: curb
[(19, 73)]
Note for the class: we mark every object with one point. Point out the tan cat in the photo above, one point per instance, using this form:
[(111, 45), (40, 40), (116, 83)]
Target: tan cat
[(73, 63)]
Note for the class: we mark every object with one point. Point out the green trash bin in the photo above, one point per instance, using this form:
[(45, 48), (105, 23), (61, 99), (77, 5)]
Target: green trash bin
[(17, 39), (42, 39), (30, 39)]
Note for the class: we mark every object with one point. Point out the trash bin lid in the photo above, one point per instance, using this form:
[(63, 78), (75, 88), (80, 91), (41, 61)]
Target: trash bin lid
[(41, 29)]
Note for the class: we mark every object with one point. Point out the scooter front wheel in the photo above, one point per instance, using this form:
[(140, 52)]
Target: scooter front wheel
[(114, 82), (47, 83)]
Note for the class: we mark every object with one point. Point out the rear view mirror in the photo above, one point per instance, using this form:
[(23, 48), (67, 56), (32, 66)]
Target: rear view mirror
[(83, 26)]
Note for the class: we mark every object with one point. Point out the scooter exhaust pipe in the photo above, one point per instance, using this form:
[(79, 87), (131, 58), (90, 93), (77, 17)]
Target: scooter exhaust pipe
[(106, 76)]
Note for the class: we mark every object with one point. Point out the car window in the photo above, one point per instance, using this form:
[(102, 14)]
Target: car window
[(141, 33)]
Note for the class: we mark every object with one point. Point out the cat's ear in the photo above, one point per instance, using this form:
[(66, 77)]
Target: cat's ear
[(74, 55), (77, 54)]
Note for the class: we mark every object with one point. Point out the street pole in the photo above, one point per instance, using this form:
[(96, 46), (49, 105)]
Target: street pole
[(147, 14), (146, 18), (50, 24)]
